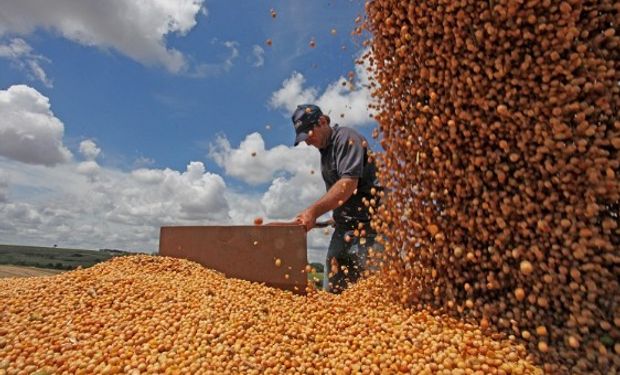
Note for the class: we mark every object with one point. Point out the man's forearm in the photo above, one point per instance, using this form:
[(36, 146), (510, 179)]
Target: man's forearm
[(339, 193)]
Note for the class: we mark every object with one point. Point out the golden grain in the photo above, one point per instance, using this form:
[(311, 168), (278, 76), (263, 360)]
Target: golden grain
[(162, 315)]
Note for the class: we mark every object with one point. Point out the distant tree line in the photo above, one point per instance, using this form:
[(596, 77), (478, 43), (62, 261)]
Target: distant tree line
[(117, 251)]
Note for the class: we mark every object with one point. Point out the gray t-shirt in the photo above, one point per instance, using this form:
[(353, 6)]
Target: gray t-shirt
[(346, 156)]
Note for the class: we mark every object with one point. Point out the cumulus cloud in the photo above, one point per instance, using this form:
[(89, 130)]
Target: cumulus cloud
[(292, 93), (136, 29), (345, 102), (21, 55), (84, 204), (194, 195), (246, 207), (252, 163), (87, 205), (29, 131), (88, 168), (288, 196), (117, 209), (259, 56), (4, 186), (89, 149)]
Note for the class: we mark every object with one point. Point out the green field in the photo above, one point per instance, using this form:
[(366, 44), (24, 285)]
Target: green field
[(316, 278), (53, 257)]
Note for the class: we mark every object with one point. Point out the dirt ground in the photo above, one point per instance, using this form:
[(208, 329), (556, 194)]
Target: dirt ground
[(17, 271)]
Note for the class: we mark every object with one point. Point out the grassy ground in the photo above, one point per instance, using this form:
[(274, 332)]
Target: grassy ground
[(316, 278), (52, 257), (19, 271)]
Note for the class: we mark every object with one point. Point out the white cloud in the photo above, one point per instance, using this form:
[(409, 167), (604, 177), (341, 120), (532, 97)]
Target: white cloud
[(29, 131), (20, 54), (116, 209), (126, 209), (88, 168), (137, 29), (339, 98), (4, 186), (287, 197), (252, 163), (292, 93), (83, 204), (194, 195), (89, 149), (259, 56), (15, 49)]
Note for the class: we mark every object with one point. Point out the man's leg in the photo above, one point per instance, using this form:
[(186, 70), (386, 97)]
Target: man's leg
[(372, 251), (348, 261), (360, 255), (337, 262)]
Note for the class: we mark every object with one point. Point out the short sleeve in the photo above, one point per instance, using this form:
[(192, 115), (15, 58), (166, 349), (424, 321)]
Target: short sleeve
[(349, 154)]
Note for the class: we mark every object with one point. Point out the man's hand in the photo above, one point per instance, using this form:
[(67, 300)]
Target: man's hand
[(339, 193), (307, 218)]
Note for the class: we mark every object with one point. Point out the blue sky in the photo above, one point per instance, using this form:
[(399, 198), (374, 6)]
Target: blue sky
[(119, 117)]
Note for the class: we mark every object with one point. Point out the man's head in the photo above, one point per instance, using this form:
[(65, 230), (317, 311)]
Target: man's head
[(311, 125)]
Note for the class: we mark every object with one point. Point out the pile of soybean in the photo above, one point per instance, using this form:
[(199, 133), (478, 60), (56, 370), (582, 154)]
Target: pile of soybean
[(499, 121), (146, 314)]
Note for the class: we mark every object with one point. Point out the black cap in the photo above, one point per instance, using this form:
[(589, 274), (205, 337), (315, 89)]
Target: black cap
[(305, 117)]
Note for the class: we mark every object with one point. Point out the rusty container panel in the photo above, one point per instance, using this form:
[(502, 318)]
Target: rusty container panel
[(243, 252)]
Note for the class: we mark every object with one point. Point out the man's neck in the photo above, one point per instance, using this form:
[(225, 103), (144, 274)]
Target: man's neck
[(328, 137)]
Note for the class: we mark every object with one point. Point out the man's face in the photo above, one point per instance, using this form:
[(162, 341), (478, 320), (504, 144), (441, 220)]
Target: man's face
[(313, 137), (317, 137)]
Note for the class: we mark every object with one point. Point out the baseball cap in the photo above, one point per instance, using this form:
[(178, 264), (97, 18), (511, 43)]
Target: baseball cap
[(304, 118)]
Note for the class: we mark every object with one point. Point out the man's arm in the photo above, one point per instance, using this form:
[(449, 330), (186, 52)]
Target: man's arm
[(339, 193)]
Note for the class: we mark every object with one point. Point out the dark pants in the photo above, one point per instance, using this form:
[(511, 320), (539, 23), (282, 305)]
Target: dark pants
[(347, 258)]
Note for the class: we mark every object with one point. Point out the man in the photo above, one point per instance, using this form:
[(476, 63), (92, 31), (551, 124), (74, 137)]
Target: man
[(350, 180)]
